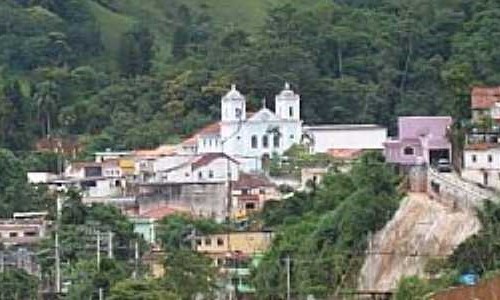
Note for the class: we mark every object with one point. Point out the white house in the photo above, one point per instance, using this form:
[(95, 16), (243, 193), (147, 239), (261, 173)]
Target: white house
[(482, 164), (324, 138), (207, 167)]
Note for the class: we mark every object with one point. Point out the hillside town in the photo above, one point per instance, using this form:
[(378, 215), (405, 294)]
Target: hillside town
[(228, 171), (249, 150)]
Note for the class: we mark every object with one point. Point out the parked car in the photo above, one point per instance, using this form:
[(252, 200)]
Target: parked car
[(444, 165)]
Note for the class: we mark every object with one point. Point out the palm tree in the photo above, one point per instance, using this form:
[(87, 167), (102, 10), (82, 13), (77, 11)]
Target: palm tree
[(46, 97)]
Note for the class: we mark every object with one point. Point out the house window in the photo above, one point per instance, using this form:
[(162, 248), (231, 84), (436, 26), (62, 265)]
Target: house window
[(220, 242), (474, 158), (30, 233), (208, 241), (245, 192), (265, 141), (290, 111), (490, 158), (250, 206), (200, 175), (237, 113), (220, 262), (408, 151), (262, 191), (198, 242), (254, 141), (276, 141), (210, 174), (12, 234), (186, 174)]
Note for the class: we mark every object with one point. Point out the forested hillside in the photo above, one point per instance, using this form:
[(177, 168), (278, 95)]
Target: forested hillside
[(127, 73)]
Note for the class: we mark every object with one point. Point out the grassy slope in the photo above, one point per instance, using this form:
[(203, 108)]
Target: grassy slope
[(245, 14), (112, 26)]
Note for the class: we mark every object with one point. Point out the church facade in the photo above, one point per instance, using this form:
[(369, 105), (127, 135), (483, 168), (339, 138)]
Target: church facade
[(251, 137)]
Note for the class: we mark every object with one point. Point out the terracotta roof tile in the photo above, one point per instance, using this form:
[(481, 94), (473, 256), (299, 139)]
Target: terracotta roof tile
[(252, 181), (161, 212), (345, 153), (211, 129), (207, 158), (484, 97), (481, 146), (162, 150)]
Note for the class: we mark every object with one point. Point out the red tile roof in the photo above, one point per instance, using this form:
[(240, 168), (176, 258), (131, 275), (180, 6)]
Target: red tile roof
[(252, 181), (481, 146), (207, 158), (484, 97), (211, 129), (161, 212), (345, 153)]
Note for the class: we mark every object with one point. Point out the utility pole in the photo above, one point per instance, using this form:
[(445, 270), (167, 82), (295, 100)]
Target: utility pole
[(136, 259), (99, 260), (56, 240), (98, 253), (110, 244), (288, 281)]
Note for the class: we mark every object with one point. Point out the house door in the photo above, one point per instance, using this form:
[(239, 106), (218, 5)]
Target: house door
[(485, 178)]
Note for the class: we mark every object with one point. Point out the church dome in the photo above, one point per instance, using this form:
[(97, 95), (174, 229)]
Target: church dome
[(233, 94), (287, 92)]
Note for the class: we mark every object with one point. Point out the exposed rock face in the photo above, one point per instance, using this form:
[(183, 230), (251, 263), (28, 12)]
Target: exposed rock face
[(421, 229)]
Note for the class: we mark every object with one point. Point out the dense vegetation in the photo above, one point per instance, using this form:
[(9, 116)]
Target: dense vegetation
[(126, 74), (325, 232)]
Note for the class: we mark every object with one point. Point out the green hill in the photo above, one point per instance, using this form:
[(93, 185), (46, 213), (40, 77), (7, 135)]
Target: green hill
[(116, 16)]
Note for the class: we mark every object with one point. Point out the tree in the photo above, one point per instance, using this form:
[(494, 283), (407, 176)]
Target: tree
[(47, 98), (136, 51), (140, 290), (16, 284), (187, 280)]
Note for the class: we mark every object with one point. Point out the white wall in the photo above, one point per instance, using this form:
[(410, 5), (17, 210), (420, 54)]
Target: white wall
[(481, 161), (40, 177), (482, 170), (348, 138), (241, 143), (209, 144), (219, 171)]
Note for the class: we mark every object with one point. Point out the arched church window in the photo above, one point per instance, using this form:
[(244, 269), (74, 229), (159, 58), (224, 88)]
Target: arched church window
[(254, 141), (265, 141), (290, 111), (276, 141), (409, 151), (237, 113)]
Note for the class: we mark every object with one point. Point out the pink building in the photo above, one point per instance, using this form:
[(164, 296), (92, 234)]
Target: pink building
[(421, 140)]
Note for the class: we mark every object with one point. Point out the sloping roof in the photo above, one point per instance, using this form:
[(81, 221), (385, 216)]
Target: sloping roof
[(207, 158), (211, 129), (263, 115), (481, 146), (345, 153), (161, 212), (252, 181), (162, 150), (484, 97), (330, 127)]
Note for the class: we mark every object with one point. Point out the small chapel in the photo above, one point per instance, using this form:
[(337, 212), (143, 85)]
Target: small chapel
[(250, 138)]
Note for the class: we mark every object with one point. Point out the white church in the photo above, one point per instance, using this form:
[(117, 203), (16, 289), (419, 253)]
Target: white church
[(251, 137)]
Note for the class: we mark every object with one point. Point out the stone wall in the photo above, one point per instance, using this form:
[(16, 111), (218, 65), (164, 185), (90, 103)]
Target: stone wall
[(455, 192), (202, 199)]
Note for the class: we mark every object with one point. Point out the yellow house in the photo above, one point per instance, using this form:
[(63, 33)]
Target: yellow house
[(243, 242), (127, 165)]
